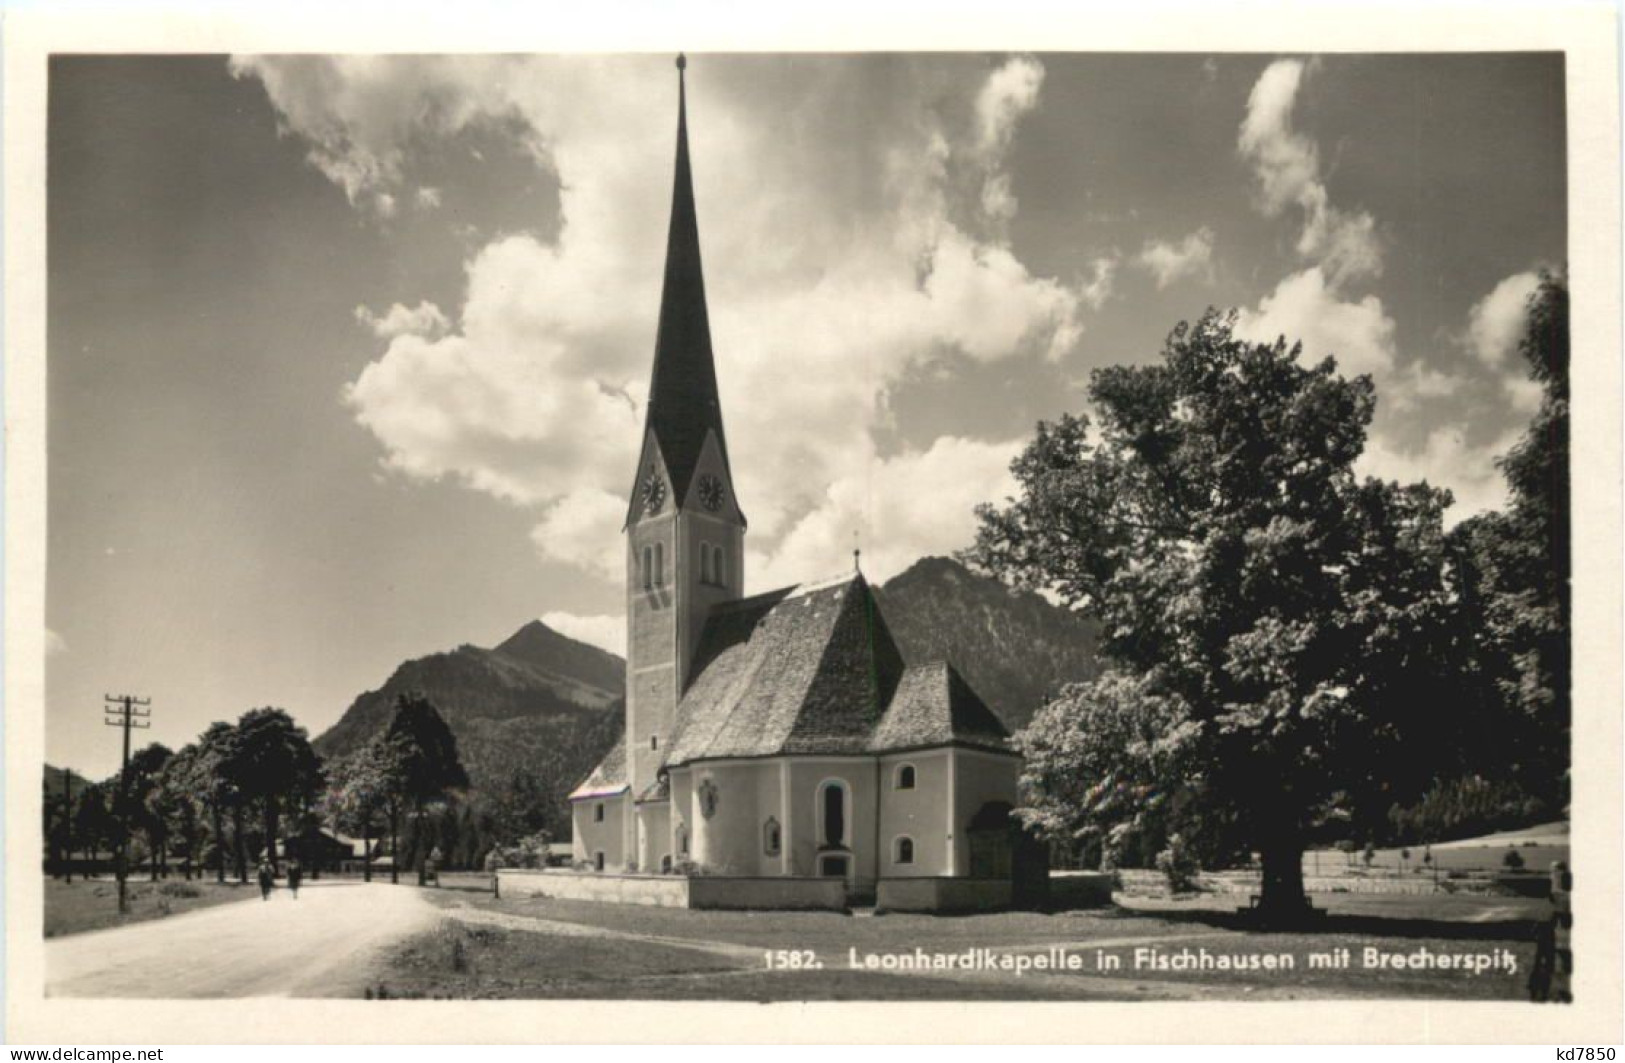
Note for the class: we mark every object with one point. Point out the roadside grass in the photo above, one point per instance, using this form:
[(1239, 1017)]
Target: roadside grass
[(92, 904), (456, 961), (532, 964)]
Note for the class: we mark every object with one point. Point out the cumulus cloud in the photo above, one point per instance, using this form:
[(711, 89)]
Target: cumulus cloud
[(1008, 94), (901, 508), (425, 319), (1445, 459), (1101, 283), (605, 632), (1169, 262), (834, 260), (1286, 164), (1304, 307), (1496, 322), (427, 198), (579, 529)]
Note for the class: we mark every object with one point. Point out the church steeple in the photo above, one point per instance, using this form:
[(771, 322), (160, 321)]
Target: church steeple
[(683, 401)]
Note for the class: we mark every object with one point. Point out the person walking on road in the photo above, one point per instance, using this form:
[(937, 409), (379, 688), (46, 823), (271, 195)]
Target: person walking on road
[(295, 873), (267, 879)]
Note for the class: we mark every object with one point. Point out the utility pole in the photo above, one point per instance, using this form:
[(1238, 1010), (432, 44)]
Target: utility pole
[(67, 826), (124, 711)]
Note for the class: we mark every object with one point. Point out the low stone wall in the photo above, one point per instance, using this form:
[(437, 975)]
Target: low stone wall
[(675, 891), (1081, 889), (942, 894), (656, 891), (715, 891)]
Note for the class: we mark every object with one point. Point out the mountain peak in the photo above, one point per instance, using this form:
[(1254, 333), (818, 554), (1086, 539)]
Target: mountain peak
[(540, 646)]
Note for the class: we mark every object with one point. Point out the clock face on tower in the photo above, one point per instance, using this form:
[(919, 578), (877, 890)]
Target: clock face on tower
[(711, 492), (654, 492)]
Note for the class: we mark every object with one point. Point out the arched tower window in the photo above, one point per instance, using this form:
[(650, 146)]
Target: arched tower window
[(719, 567), (706, 575), (660, 564), (903, 851), (648, 568), (905, 777)]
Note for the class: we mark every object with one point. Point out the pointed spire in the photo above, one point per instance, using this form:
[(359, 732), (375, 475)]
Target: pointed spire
[(683, 400)]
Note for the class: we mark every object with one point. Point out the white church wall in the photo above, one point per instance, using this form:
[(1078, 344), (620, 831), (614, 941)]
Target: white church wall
[(654, 835), (607, 835), (808, 774), (978, 778), (920, 814), (727, 842)]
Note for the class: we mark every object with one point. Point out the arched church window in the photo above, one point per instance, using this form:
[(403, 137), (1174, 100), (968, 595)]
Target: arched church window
[(832, 814), (648, 568), (905, 777), (904, 851), (660, 564), (771, 840), (598, 813)]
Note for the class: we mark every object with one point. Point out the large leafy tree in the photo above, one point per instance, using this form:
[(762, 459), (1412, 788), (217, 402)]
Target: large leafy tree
[(365, 787), (93, 823), (274, 766), (1517, 571), (177, 799), (215, 772), (143, 808), (1275, 625), (425, 761)]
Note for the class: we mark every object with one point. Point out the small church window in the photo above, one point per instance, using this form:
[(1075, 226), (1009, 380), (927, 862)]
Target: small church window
[(660, 565), (648, 568), (771, 840), (598, 860), (905, 777), (705, 563), (719, 567), (905, 851), (598, 813), (654, 741)]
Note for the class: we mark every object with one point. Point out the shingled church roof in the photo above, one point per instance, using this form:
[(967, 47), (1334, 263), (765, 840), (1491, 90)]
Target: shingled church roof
[(609, 778), (934, 706), (810, 670)]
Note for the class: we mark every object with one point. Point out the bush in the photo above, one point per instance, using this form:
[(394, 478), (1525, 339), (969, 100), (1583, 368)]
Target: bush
[(1178, 864), (179, 889), (1512, 861)]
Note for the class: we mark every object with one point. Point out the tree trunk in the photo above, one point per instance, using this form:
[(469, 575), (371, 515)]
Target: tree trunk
[(366, 848), (219, 844), (270, 833), (238, 843), (422, 857), (1282, 899)]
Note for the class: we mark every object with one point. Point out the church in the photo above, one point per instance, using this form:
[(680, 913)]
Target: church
[(781, 734)]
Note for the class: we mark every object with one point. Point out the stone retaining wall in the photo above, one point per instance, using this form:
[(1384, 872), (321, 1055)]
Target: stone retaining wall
[(675, 891), (942, 894)]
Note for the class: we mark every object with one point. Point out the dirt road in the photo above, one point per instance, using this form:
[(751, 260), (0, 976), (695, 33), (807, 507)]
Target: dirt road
[(314, 946)]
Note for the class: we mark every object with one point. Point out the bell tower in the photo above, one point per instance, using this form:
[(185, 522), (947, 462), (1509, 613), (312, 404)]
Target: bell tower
[(684, 529)]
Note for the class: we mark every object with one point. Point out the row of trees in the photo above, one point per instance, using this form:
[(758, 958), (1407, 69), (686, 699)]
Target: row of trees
[(241, 787), (1294, 652)]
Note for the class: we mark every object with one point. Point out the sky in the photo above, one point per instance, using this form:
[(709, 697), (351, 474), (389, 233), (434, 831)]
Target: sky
[(347, 355)]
